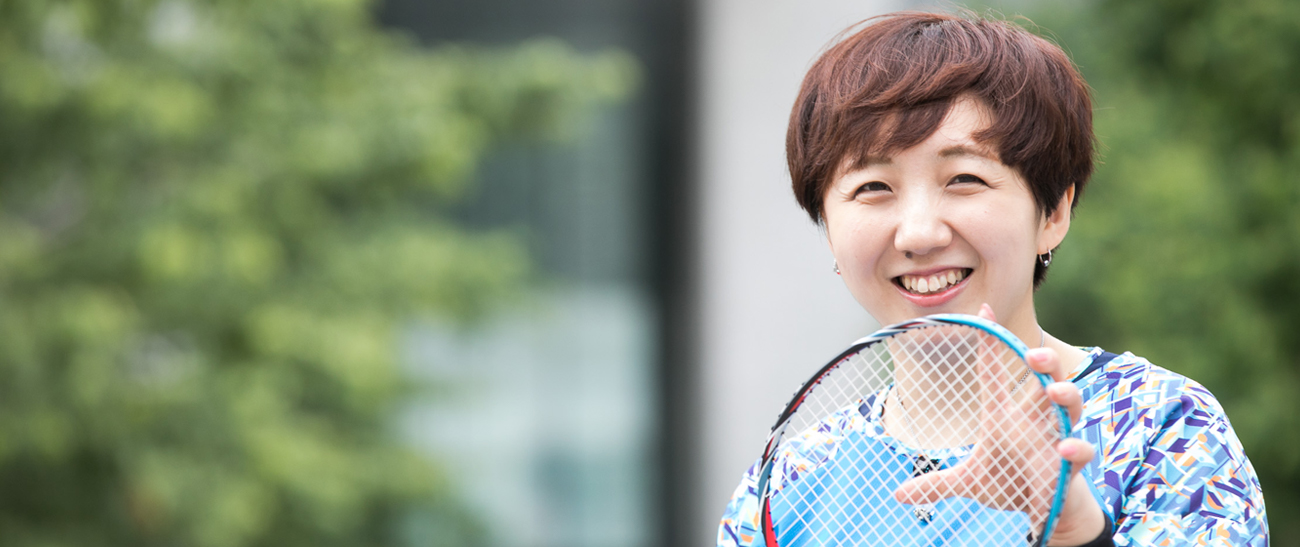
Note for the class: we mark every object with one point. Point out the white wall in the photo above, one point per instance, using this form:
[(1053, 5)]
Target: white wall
[(771, 309)]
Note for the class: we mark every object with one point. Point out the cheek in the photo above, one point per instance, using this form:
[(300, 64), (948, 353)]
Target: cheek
[(1007, 246), (857, 241), (997, 231)]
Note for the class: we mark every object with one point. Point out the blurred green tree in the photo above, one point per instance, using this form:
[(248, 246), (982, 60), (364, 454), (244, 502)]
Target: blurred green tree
[(215, 216), (1186, 247)]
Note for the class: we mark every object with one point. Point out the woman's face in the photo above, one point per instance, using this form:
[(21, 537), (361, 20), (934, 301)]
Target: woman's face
[(941, 227)]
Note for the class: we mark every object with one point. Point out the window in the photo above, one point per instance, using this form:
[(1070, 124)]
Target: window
[(549, 415)]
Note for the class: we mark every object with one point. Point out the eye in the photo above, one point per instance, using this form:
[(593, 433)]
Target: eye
[(870, 187), (967, 179)]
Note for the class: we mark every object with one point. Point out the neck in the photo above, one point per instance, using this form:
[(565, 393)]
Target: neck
[(1070, 355), (1024, 325)]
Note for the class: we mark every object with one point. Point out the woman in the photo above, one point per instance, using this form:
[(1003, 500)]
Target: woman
[(944, 156)]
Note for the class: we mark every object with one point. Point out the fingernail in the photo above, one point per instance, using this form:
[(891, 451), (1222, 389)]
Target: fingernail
[(1069, 451), (1037, 355)]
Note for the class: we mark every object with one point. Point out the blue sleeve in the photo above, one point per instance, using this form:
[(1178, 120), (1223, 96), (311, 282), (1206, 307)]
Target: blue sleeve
[(1169, 467), (739, 526), (1194, 484)]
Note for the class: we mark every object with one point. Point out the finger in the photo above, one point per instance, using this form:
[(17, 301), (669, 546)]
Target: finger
[(931, 487), (1076, 451), (1067, 395), (986, 312), (1046, 361)]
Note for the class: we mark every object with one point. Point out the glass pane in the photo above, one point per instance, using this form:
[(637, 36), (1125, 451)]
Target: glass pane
[(542, 414)]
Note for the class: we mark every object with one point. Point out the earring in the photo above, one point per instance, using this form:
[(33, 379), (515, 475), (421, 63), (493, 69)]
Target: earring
[(835, 267), (1046, 259)]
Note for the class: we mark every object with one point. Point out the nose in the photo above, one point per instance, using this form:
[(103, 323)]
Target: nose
[(921, 228)]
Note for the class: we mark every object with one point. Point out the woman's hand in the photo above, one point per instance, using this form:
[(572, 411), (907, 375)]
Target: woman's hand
[(1015, 447)]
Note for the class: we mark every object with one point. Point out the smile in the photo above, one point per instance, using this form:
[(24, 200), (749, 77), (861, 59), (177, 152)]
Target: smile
[(933, 283)]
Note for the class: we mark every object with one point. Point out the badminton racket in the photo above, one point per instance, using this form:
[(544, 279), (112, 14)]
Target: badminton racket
[(949, 395)]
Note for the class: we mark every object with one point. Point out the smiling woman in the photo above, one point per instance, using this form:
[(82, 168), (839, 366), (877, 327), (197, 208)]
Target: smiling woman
[(944, 157)]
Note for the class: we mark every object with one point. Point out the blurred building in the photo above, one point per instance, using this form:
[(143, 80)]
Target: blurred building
[(683, 294)]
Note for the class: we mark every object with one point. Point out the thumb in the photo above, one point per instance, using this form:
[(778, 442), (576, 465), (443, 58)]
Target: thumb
[(930, 487), (986, 312)]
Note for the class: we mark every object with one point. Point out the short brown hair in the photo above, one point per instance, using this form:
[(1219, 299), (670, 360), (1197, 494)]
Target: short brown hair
[(888, 86)]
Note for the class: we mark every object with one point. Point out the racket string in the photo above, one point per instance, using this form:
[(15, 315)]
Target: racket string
[(851, 402)]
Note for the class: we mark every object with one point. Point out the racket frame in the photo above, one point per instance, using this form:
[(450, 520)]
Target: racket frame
[(936, 320)]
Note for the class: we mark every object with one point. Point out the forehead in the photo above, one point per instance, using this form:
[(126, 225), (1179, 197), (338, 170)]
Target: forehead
[(955, 135), (964, 119)]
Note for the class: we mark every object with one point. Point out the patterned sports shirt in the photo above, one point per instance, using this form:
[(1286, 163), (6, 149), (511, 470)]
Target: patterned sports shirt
[(1169, 469)]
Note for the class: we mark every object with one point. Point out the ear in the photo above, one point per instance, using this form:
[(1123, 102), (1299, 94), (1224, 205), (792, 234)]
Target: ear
[(1056, 225)]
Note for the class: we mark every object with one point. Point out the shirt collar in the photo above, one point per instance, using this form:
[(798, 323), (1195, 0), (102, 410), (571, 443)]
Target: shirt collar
[(1093, 352)]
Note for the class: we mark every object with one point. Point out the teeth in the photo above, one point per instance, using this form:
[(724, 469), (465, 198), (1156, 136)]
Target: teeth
[(933, 283)]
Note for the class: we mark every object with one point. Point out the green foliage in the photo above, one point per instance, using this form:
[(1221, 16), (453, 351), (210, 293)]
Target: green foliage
[(1186, 247), (214, 218)]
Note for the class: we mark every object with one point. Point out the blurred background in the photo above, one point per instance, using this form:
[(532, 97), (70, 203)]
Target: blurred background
[(526, 273)]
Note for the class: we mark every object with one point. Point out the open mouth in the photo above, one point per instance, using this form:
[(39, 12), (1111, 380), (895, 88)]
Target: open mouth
[(932, 284)]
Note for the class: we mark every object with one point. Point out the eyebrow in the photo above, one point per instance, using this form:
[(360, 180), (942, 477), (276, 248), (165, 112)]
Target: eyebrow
[(954, 151), (964, 150), (872, 161)]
